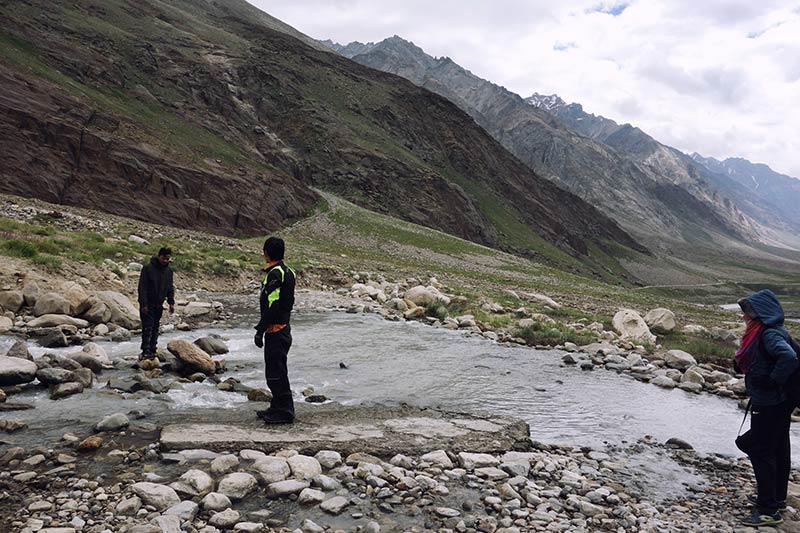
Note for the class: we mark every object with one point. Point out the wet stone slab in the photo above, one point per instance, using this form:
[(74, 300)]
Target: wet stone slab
[(378, 430)]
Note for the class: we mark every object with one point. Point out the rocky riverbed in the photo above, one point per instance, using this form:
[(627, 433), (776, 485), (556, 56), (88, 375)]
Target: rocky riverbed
[(488, 477), (129, 472)]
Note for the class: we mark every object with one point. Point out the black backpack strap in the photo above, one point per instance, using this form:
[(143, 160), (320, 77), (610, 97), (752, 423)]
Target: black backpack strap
[(746, 410)]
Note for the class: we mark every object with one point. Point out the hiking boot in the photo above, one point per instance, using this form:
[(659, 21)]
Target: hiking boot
[(781, 503), (757, 519), (277, 418)]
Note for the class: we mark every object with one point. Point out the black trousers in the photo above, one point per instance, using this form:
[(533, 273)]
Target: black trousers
[(276, 350), (767, 444), (150, 324)]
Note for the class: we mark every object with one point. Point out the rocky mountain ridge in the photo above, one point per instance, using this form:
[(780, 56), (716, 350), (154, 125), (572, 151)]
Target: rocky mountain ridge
[(653, 191), (215, 116)]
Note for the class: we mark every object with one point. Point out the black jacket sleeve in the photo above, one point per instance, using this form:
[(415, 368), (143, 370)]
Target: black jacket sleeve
[(143, 287), (171, 289), (268, 313)]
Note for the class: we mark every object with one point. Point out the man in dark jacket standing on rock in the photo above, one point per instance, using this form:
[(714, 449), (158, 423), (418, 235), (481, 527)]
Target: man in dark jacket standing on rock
[(155, 286), (273, 332), (767, 359)]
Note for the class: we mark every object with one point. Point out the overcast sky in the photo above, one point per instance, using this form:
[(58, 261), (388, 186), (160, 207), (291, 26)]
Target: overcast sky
[(720, 77)]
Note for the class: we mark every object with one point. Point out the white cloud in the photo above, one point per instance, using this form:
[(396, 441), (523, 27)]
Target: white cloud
[(720, 77)]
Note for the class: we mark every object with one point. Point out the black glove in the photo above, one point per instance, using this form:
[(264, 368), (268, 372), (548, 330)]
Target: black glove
[(259, 339)]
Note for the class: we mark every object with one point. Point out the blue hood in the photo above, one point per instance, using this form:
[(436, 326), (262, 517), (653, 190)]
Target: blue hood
[(767, 307)]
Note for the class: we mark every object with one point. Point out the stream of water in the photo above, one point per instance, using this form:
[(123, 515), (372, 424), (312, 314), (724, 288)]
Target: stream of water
[(407, 362)]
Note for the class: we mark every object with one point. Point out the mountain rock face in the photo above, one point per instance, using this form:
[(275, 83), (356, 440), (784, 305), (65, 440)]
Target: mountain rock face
[(211, 114), (653, 191), (761, 192)]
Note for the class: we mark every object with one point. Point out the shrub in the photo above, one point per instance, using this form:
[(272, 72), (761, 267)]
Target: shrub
[(18, 248), (436, 310)]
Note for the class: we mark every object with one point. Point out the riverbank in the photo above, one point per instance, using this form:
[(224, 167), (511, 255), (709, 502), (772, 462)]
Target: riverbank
[(380, 477)]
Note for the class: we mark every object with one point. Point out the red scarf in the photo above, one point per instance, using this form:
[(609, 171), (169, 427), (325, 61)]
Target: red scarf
[(745, 356)]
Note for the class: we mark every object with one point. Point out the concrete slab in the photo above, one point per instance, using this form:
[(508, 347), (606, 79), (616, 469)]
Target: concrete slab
[(378, 430)]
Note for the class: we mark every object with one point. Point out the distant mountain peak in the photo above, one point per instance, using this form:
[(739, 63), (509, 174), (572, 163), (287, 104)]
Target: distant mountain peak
[(548, 102)]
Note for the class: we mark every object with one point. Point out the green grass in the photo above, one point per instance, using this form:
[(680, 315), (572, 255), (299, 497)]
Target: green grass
[(704, 350), (553, 334)]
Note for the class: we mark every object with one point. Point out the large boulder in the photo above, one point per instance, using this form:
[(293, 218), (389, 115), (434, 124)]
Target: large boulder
[(50, 321), (11, 300), (77, 297), (123, 313), (5, 324), (53, 376), (51, 303), (15, 371), (660, 320), (679, 359), (191, 357), (212, 345), (97, 311), (426, 295), (30, 293), (631, 326)]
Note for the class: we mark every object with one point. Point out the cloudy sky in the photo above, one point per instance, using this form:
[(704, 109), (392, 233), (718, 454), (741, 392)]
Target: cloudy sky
[(720, 77)]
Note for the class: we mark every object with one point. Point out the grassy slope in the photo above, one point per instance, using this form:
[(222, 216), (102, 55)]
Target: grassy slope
[(341, 239)]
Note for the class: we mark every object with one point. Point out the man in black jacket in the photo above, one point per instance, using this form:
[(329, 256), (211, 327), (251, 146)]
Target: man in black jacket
[(155, 286), (273, 332)]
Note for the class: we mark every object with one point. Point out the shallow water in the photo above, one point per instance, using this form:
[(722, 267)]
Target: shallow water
[(407, 362)]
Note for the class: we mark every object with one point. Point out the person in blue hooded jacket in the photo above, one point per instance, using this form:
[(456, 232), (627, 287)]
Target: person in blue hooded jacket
[(767, 359)]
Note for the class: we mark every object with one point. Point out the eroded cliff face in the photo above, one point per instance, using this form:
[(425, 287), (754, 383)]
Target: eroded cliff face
[(204, 115), (623, 174)]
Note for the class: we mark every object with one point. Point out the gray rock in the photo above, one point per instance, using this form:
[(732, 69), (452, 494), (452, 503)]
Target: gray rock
[(631, 326), (62, 390), (309, 526), (123, 313), (52, 321), (19, 349), (212, 345), (304, 467), (309, 496), (194, 483), (285, 488), (53, 376), (93, 357), (97, 312), (335, 505), (679, 359), (159, 496), (471, 461), (225, 519), (11, 300), (15, 371), (248, 527), (113, 422), (186, 510), (693, 376), (237, 485), (53, 338), (224, 464), (214, 501), (660, 320), (167, 523), (84, 376), (270, 469), (663, 381), (439, 458), (30, 292), (129, 506), (51, 303), (328, 459)]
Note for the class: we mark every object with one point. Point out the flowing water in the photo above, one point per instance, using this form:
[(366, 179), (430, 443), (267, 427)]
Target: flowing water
[(407, 362)]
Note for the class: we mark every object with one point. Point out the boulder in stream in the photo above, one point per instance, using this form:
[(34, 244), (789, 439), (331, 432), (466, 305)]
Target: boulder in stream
[(191, 357), (15, 371)]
